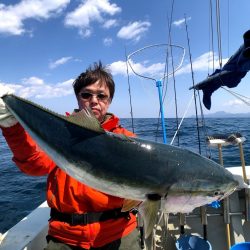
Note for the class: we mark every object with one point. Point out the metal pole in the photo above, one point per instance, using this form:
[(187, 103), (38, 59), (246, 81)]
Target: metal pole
[(225, 206), (159, 86)]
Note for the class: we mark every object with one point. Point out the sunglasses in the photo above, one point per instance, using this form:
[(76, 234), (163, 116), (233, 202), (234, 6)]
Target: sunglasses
[(100, 97)]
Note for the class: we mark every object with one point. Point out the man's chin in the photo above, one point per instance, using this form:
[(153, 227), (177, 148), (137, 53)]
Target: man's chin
[(97, 115)]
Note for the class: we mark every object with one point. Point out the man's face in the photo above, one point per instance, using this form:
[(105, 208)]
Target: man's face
[(96, 97)]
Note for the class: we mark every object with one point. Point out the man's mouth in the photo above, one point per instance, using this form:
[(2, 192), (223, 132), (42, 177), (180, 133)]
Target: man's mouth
[(95, 110)]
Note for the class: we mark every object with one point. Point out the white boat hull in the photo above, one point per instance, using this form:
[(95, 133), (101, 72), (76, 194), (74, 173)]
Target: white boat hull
[(29, 233)]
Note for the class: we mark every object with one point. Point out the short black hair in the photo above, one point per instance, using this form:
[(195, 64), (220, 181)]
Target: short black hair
[(94, 73)]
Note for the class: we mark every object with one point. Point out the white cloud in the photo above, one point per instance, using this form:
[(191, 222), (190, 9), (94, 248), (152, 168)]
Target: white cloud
[(60, 89), (35, 87), (33, 80), (110, 23), (233, 103), (202, 63), (156, 70), (107, 41), (13, 16), (85, 33), (143, 68), (180, 22), (90, 11), (134, 31), (118, 68), (59, 62)]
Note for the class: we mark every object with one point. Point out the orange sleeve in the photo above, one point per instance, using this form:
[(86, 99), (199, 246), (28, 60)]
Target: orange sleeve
[(26, 153)]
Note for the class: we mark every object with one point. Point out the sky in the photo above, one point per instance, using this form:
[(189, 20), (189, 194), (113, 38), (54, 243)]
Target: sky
[(46, 44)]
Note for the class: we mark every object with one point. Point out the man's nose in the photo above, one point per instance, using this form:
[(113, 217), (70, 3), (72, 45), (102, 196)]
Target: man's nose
[(94, 98)]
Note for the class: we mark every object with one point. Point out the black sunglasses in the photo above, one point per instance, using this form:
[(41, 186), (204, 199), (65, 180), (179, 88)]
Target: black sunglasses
[(87, 96)]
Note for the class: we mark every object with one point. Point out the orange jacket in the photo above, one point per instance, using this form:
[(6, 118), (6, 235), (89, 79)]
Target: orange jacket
[(68, 195)]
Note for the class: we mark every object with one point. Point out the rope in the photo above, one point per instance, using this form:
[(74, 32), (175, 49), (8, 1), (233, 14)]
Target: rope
[(130, 96), (212, 32), (218, 31), (192, 73), (182, 119), (238, 96), (228, 19), (175, 94), (208, 153)]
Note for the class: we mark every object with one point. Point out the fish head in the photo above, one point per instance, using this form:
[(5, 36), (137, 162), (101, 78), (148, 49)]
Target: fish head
[(185, 196)]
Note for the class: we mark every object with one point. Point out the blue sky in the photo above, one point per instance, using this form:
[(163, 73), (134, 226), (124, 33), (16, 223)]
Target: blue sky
[(46, 44)]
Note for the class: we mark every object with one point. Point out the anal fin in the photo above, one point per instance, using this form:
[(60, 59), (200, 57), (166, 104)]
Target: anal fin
[(149, 210)]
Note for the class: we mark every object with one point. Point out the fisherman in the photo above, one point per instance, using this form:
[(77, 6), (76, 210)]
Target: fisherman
[(81, 217)]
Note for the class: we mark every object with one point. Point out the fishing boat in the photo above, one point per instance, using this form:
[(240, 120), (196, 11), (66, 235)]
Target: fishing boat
[(219, 226)]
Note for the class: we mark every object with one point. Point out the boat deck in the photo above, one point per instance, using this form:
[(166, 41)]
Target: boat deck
[(216, 227)]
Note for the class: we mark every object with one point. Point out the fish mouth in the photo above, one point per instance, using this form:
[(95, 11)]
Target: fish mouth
[(227, 194)]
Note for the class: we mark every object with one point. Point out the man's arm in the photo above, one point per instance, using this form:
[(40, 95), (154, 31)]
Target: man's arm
[(26, 153)]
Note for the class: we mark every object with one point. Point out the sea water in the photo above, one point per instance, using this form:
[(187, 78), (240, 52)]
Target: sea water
[(20, 193)]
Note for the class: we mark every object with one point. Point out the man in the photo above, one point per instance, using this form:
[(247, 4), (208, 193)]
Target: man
[(81, 217)]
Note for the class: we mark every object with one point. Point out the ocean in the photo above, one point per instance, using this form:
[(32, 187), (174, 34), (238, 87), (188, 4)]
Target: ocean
[(20, 194)]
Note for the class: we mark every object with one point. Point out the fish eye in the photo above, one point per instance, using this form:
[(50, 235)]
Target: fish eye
[(216, 193)]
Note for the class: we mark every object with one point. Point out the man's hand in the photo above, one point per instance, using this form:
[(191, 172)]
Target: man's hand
[(6, 118)]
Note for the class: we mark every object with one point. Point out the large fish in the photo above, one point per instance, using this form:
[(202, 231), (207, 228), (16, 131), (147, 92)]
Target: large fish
[(131, 168)]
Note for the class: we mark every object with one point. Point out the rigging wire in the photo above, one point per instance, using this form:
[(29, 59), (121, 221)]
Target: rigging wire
[(130, 96), (212, 33), (192, 73), (207, 149), (174, 82), (175, 98), (166, 70), (177, 131), (228, 19), (238, 96), (218, 31)]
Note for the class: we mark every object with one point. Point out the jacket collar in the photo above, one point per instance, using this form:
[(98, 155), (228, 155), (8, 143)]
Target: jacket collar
[(111, 122)]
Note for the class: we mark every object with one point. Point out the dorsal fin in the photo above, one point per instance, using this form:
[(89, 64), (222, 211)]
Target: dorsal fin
[(85, 118)]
